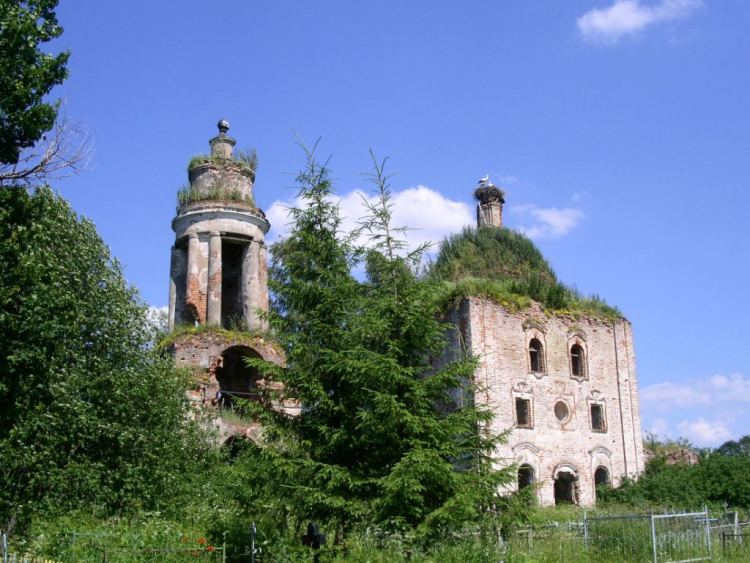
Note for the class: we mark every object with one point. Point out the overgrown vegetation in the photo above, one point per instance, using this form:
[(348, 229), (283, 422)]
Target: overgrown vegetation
[(247, 159), (188, 194), (720, 478), (507, 267), (242, 336), (88, 415)]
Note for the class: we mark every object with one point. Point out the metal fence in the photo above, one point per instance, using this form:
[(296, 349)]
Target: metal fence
[(658, 538)]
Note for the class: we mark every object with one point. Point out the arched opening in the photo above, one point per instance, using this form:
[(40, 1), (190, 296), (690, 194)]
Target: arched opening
[(232, 254), (236, 379), (577, 361), (525, 476), (601, 477), (566, 488), (236, 444), (536, 355)]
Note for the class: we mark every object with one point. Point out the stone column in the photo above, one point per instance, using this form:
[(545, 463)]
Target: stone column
[(263, 283), (193, 301), (213, 298), (251, 285), (175, 270)]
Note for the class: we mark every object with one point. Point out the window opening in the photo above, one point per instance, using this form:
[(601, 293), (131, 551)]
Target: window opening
[(232, 316), (523, 413), (577, 360), (525, 476), (536, 355), (597, 418), (562, 412), (236, 379)]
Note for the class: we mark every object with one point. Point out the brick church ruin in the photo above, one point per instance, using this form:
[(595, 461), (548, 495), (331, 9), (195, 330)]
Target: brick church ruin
[(564, 383)]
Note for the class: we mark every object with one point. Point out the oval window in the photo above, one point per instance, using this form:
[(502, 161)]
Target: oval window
[(562, 412)]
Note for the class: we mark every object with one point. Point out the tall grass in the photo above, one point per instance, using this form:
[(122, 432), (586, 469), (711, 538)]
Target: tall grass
[(508, 268)]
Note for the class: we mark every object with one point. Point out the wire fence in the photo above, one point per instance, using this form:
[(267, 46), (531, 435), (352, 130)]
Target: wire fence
[(658, 538)]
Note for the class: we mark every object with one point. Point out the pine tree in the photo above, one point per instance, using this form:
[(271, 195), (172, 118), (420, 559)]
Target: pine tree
[(380, 439)]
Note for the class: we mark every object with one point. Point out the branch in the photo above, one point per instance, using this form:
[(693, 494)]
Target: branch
[(63, 151)]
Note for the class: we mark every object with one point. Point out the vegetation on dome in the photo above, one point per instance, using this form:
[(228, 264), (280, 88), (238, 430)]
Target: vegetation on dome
[(247, 159), (188, 194), (508, 268)]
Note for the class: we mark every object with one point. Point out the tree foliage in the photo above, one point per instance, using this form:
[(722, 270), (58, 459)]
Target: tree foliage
[(89, 416), (381, 439), (27, 74), (721, 477)]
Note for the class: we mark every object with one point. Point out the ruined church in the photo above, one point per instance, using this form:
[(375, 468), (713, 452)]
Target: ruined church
[(564, 383)]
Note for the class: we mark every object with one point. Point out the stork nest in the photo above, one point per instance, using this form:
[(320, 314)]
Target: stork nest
[(488, 194)]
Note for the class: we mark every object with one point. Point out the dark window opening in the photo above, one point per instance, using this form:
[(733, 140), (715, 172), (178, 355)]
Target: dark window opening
[(525, 476), (601, 477), (536, 355), (236, 379), (523, 413), (566, 488), (232, 253), (598, 423), (577, 361)]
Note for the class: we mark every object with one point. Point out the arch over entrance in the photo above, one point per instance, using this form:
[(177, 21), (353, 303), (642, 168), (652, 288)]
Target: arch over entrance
[(236, 379)]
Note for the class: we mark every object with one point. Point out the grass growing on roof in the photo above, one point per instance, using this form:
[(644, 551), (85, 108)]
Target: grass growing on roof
[(187, 194), (508, 268)]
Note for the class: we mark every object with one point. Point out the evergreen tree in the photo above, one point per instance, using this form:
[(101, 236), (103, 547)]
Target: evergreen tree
[(381, 439)]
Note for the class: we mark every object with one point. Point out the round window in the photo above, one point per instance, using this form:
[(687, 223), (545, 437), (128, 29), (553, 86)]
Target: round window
[(561, 411)]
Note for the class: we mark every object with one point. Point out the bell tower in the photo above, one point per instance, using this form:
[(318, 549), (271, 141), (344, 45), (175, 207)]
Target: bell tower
[(218, 286), (490, 200), (218, 274)]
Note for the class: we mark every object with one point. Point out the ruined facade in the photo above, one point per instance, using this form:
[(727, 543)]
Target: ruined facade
[(565, 386), (218, 282)]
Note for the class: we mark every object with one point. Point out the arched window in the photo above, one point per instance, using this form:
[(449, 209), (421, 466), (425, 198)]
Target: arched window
[(525, 476), (536, 355), (236, 379), (577, 360), (601, 477)]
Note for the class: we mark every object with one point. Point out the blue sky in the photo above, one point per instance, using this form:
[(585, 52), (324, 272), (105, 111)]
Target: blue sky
[(619, 131)]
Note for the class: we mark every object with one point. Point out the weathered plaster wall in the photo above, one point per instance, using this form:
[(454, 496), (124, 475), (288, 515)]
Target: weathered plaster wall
[(500, 339)]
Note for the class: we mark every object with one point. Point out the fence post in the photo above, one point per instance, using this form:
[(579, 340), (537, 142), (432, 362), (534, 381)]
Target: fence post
[(5, 547), (252, 543), (224, 547), (653, 537), (708, 530), (586, 530)]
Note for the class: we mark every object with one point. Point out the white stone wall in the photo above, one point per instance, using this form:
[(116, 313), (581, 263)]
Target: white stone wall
[(500, 339)]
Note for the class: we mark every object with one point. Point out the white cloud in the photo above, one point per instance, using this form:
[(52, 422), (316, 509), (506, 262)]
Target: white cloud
[(428, 214), (628, 17), (705, 433), (716, 389), (547, 222)]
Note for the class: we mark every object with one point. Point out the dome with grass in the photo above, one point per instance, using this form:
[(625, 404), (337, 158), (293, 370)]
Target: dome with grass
[(507, 267)]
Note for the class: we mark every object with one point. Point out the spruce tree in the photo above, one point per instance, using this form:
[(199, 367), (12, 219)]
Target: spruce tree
[(381, 438)]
